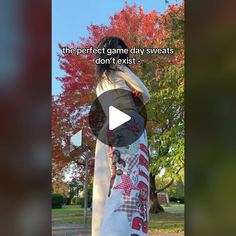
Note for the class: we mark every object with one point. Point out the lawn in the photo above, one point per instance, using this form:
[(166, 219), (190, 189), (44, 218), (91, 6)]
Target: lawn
[(71, 209), (70, 214), (170, 221)]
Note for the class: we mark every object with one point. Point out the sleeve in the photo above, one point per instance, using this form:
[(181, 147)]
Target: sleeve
[(134, 82)]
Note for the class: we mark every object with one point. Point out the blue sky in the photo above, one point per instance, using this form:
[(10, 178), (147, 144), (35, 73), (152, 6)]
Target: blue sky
[(71, 17)]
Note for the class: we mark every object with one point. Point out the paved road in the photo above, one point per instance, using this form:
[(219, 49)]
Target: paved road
[(70, 229)]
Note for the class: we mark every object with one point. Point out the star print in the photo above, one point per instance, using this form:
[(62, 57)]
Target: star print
[(126, 184), (129, 206)]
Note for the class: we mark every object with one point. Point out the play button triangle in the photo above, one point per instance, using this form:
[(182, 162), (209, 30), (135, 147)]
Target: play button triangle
[(113, 125), (117, 118)]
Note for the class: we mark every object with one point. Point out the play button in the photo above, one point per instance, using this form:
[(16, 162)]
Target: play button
[(117, 117)]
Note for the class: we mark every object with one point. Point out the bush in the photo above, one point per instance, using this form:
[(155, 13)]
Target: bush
[(57, 200), (75, 201), (67, 201), (80, 201)]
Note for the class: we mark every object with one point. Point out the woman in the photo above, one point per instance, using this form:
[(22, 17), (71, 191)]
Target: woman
[(121, 175)]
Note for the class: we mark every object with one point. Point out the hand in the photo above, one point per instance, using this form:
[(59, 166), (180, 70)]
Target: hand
[(136, 93)]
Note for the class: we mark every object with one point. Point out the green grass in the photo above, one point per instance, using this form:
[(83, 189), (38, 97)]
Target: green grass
[(174, 208), (71, 209), (172, 220), (78, 220), (70, 214)]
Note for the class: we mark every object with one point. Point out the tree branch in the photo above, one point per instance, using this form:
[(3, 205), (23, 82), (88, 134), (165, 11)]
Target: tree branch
[(170, 183), (165, 187)]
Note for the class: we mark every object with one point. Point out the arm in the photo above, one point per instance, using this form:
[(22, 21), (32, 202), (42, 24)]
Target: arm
[(134, 82)]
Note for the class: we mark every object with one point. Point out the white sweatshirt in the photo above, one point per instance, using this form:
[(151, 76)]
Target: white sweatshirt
[(124, 79)]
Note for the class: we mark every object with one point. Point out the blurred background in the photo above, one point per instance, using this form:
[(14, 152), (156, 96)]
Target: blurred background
[(210, 98), (25, 93)]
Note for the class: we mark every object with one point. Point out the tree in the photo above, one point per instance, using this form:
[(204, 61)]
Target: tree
[(176, 188), (75, 187), (60, 187), (165, 126), (163, 75)]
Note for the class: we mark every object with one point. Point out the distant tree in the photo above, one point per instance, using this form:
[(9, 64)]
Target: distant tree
[(61, 188), (75, 187)]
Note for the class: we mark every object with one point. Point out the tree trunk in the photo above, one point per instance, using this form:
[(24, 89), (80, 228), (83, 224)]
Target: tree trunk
[(156, 208)]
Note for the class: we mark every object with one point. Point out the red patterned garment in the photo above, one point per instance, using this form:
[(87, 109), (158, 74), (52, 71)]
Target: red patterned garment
[(126, 205)]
